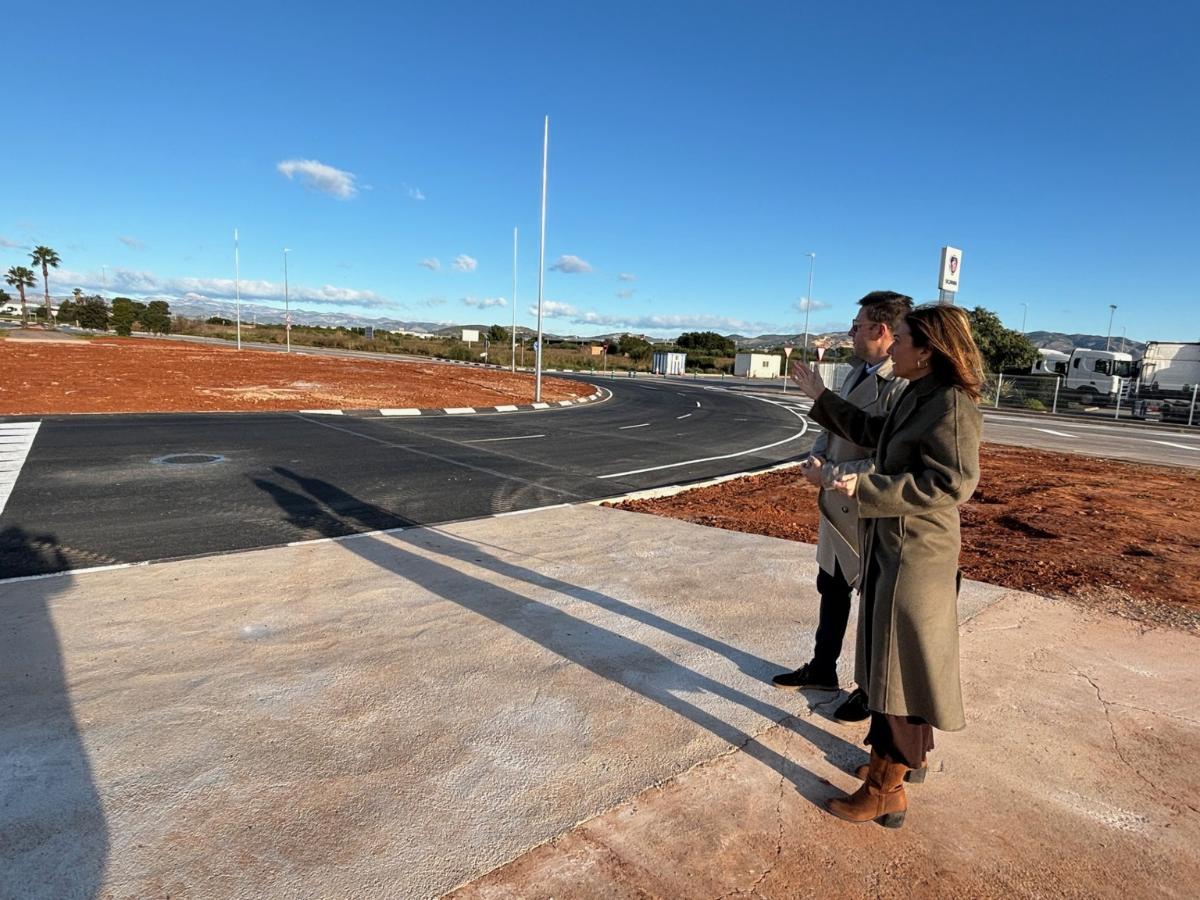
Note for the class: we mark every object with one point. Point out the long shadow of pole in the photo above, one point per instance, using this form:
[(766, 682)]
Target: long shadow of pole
[(53, 833), (599, 650)]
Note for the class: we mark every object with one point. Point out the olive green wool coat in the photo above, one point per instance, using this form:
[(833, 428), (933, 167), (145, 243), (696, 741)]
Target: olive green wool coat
[(926, 466)]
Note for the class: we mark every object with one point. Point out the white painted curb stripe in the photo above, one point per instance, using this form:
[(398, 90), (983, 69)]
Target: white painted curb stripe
[(399, 412), (458, 410)]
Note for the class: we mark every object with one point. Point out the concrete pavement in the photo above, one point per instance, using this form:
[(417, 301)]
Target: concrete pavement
[(392, 715)]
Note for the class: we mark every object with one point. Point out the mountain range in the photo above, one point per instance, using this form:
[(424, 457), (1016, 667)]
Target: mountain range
[(203, 308)]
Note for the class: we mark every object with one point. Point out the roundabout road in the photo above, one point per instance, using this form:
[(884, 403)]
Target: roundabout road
[(102, 490)]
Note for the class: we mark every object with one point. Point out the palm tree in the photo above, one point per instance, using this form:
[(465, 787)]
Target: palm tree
[(21, 277), (48, 259)]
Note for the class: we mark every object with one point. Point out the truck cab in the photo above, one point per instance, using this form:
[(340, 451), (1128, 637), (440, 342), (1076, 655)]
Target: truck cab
[(1098, 376)]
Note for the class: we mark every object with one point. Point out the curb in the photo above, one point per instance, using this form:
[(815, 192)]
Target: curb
[(600, 395), (671, 490)]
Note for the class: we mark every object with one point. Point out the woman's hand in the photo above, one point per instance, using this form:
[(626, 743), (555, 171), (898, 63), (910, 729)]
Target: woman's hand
[(845, 485), (811, 470), (808, 380)]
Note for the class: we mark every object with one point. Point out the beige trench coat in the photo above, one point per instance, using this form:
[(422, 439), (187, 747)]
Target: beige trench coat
[(837, 527), (926, 466)]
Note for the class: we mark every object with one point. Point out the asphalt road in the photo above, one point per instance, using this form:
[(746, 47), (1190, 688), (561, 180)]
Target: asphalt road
[(100, 490)]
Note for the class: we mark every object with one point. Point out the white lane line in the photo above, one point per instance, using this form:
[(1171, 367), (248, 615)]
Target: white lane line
[(1055, 433), (18, 438), (523, 437), (697, 404), (691, 462), (625, 427), (684, 416), (1180, 446)]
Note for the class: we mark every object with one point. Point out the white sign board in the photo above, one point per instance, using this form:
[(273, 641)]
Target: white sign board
[(470, 334), (787, 351), (820, 353), (951, 266)]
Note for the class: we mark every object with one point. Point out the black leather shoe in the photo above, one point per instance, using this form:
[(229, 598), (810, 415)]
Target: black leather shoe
[(855, 707), (806, 677)]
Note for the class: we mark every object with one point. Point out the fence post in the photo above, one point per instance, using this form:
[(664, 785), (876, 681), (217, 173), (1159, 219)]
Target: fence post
[(999, 382), (1192, 408), (1117, 415), (1057, 385)]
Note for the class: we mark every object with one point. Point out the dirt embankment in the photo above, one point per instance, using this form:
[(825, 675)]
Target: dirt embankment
[(1118, 536), (110, 375)]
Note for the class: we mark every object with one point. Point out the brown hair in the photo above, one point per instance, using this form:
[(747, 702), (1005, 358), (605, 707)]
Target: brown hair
[(886, 307), (946, 332)]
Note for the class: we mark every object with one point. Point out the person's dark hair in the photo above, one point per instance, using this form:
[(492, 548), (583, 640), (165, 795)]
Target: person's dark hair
[(946, 332), (886, 307)]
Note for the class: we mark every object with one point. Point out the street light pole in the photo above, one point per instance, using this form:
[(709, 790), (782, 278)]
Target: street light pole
[(1024, 313), (514, 330), (1112, 308), (287, 312), (537, 355), (237, 287), (812, 259)]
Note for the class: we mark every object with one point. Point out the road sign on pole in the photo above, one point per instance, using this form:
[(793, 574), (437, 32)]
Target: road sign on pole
[(949, 272)]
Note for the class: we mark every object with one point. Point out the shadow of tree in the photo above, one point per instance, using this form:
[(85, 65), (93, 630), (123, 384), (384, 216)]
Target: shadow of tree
[(53, 833)]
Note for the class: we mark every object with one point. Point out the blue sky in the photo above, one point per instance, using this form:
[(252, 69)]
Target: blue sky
[(697, 151)]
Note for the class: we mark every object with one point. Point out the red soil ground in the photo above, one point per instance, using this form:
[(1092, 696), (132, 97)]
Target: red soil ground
[(1118, 536), (110, 374)]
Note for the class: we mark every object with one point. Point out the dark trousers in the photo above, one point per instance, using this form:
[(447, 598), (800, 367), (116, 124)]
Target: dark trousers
[(834, 615)]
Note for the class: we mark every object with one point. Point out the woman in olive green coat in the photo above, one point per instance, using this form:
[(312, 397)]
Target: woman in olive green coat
[(926, 466)]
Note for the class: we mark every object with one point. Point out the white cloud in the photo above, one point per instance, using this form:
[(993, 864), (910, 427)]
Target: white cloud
[(431, 263), (485, 303), (132, 242), (465, 263), (5, 242), (626, 294), (147, 284), (572, 265), (432, 301), (319, 177), (414, 193), (803, 305), (627, 276), (554, 310)]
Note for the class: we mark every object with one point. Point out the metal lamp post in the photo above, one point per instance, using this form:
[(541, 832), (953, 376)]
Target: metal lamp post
[(1024, 313), (1112, 309), (812, 259), (287, 313)]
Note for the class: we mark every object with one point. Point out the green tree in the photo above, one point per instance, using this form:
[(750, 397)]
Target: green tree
[(707, 341), (5, 298), (157, 317), (1002, 348), (633, 346), (47, 259), (21, 277), (93, 313), (68, 310), (497, 334), (123, 316)]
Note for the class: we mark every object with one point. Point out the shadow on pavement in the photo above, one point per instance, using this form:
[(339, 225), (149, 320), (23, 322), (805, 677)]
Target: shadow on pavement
[(53, 834), (599, 650)]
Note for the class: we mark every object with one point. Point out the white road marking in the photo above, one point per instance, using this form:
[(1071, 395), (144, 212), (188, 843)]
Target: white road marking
[(18, 439), (684, 416), (458, 410), (1055, 433), (697, 404), (1180, 446), (690, 462), (523, 437), (400, 412), (624, 427)]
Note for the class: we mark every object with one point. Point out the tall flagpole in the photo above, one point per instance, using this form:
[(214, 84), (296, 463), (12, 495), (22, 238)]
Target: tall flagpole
[(237, 287), (514, 299), (537, 393)]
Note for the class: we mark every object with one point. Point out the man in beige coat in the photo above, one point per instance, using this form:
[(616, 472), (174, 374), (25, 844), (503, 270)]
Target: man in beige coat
[(871, 387)]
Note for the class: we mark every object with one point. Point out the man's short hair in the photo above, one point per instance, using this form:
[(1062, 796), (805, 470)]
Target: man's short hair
[(886, 307)]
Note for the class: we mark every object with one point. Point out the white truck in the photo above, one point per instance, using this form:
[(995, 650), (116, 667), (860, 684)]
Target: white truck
[(1050, 362), (1169, 369), (1097, 376)]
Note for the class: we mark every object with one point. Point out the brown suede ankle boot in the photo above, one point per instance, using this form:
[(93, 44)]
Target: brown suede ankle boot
[(912, 776), (881, 797)]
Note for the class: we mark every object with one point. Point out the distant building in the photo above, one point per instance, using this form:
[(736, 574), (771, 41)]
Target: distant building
[(596, 350), (665, 363), (757, 365)]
